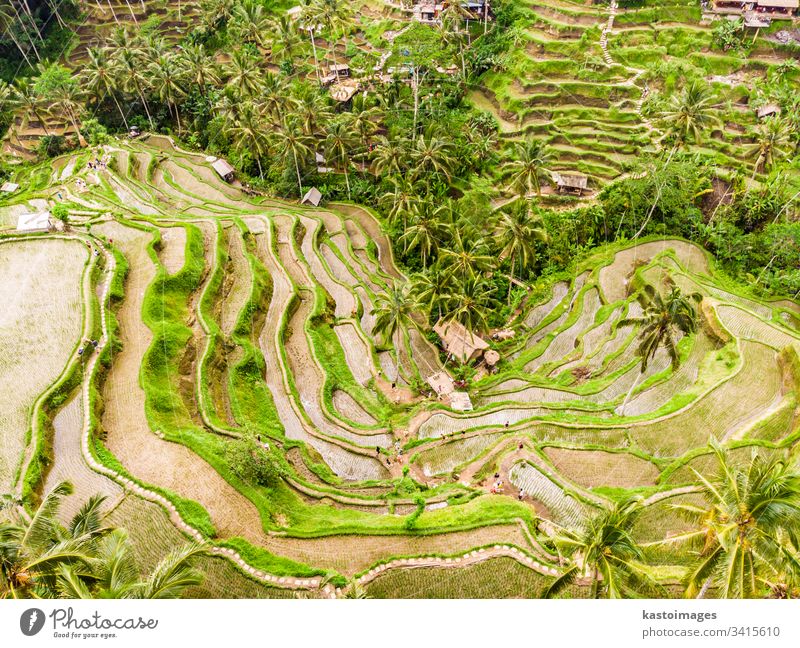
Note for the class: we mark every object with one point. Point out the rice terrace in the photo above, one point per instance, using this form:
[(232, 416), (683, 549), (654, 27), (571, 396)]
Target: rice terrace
[(400, 300)]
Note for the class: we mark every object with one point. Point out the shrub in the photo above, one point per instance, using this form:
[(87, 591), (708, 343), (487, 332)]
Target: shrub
[(251, 461)]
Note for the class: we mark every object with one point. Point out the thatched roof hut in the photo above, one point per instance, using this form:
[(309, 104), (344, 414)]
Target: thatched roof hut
[(571, 183), (460, 343)]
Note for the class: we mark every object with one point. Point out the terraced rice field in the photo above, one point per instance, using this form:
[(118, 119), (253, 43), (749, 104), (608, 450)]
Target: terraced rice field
[(240, 315), (586, 76)]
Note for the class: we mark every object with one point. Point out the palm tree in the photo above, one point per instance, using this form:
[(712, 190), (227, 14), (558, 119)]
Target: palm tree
[(365, 118), (431, 155), (432, 289), (7, 21), (128, 62), (112, 573), (285, 39), (97, 77), (34, 548), (517, 232), (167, 77), (394, 310), (663, 318), (339, 141), (216, 13), (528, 167), (604, 552), (249, 22), (245, 75), (292, 145), (472, 301), (25, 96), (401, 199), (388, 157), (425, 231), (691, 112), (772, 140), (746, 533), (67, 99), (247, 133), (199, 66), (466, 258)]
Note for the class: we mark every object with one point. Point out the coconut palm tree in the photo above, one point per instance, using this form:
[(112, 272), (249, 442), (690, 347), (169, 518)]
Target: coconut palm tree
[(465, 258), (284, 38), (127, 65), (745, 535), (34, 548), (339, 142), (432, 289), (167, 80), (431, 155), (394, 311), (68, 99), (528, 167), (292, 145), (249, 22), (772, 140), (248, 134), (245, 74), (604, 552), (690, 113), (98, 79), (472, 301), (425, 231), (216, 13), (112, 573), (388, 157), (8, 16), (366, 118), (663, 319), (399, 202), (25, 96), (517, 232), (199, 67)]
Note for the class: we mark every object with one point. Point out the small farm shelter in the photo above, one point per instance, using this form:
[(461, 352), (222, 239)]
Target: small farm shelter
[(459, 342), (441, 383), (312, 197), (9, 187), (134, 132), (768, 111), (571, 183), (340, 70), (343, 92), (37, 222), (224, 169), (460, 401)]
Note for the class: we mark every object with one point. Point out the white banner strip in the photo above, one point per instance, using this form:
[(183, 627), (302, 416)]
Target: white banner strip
[(417, 623)]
